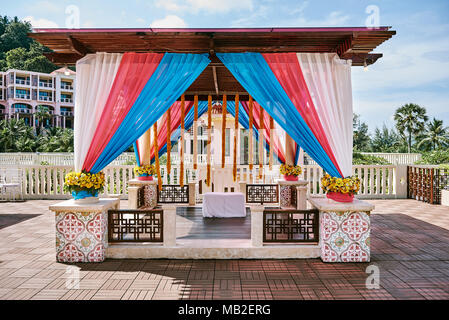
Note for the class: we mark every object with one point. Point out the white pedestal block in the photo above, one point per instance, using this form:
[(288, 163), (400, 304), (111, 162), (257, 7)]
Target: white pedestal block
[(150, 193), (257, 226), (81, 230), (293, 194), (344, 230), (445, 197)]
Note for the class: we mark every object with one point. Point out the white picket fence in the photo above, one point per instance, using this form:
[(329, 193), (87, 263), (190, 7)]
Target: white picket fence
[(392, 158), (46, 182)]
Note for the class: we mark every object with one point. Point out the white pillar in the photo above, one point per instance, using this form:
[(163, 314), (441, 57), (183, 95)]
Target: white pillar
[(257, 226)]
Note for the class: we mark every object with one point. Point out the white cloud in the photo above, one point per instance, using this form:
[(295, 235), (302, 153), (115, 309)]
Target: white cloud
[(210, 6), (335, 18), (170, 21), (41, 23)]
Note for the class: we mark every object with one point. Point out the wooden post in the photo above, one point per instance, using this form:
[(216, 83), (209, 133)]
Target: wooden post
[(236, 134), (145, 148), (168, 141), (289, 150), (250, 133), (181, 149), (270, 160), (195, 133), (223, 132), (261, 140), (156, 157), (209, 136)]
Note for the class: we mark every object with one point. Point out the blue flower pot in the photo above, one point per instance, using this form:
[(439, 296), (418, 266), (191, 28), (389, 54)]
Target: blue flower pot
[(84, 196)]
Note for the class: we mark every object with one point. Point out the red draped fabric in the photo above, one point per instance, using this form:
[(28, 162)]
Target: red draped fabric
[(133, 74), (287, 70), (277, 147)]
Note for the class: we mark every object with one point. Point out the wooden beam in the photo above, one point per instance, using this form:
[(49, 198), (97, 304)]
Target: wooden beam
[(214, 70), (77, 46)]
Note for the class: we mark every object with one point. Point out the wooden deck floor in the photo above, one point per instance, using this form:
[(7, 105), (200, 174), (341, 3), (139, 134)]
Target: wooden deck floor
[(190, 225)]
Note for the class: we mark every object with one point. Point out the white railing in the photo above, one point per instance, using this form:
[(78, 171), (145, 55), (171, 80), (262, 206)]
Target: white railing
[(392, 158), (56, 159), (46, 182), (397, 158)]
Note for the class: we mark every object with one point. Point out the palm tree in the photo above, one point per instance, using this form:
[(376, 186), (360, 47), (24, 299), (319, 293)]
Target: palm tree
[(41, 114), (436, 135), (15, 136), (410, 118)]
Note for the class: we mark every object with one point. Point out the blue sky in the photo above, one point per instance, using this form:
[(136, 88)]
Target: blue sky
[(415, 66)]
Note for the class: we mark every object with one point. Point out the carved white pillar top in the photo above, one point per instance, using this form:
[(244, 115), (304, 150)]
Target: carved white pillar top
[(292, 183), (325, 204), (71, 205), (140, 183)]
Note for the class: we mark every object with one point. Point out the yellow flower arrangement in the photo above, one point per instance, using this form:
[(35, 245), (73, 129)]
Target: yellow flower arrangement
[(84, 181), (348, 185), (290, 170), (147, 170)]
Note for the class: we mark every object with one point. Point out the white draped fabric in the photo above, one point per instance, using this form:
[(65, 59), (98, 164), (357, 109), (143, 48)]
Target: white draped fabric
[(95, 74), (328, 79)]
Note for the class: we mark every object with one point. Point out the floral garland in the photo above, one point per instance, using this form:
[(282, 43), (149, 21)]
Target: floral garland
[(84, 181), (288, 170), (348, 185), (145, 170)]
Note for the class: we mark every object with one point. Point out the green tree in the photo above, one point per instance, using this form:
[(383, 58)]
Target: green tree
[(435, 137), (55, 140), (15, 34), (18, 51), (362, 140), (410, 121), (16, 136), (386, 140)]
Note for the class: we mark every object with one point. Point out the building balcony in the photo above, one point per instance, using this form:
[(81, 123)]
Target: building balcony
[(66, 87), (67, 113), (67, 100), (44, 98), (46, 84), (22, 96), (28, 111), (23, 82)]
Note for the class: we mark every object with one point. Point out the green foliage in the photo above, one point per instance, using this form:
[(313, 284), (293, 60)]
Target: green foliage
[(362, 140), (410, 119), (435, 157), (387, 140), (18, 51), (358, 158), (435, 137), (17, 136)]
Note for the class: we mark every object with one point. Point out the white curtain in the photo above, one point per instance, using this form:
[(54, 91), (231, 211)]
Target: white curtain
[(95, 74), (328, 79)]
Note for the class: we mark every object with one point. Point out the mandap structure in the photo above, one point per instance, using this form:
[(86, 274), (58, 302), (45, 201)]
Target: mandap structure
[(147, 87)]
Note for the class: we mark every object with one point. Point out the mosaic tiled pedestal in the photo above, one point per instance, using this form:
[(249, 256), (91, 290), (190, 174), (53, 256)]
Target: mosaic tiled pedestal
[(293, 194), (149, 193), (344, 230), (81, 230)]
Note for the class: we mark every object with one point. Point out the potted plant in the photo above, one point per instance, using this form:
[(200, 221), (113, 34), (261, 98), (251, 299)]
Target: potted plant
[(290, 173), (84, 186), (145, 172), (340, 189)]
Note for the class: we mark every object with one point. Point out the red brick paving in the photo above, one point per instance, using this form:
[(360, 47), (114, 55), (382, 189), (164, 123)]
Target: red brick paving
[(410, 242)]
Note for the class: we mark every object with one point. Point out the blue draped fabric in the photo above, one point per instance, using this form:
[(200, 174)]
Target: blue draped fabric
[(136, 153), (175, 73), (254, 74)]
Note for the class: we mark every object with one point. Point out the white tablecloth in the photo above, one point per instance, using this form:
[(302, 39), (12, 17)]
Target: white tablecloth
[(224, 204)]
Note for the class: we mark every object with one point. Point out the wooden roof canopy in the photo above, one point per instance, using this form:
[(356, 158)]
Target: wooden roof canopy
[(357, 44)]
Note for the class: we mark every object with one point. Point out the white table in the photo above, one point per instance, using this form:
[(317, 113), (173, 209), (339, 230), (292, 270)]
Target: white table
[(224, 205)]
